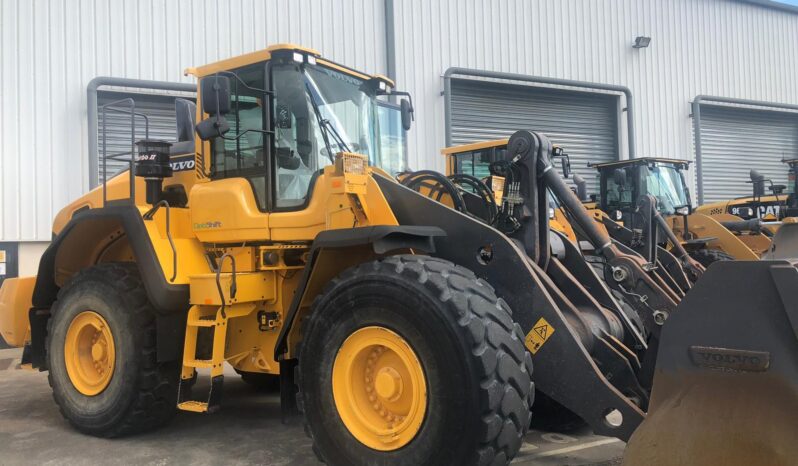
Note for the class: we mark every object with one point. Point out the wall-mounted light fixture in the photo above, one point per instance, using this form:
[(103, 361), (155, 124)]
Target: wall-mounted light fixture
[(641, 42)]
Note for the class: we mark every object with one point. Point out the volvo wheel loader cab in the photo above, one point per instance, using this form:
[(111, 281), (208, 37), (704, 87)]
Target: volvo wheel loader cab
[(278, 254)]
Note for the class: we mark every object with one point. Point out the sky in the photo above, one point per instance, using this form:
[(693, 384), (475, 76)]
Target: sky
[(788, 2)]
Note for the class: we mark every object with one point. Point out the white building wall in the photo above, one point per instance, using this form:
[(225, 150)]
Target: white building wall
[(716, 47), (51, 49)]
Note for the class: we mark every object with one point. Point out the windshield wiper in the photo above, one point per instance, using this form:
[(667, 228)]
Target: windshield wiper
[(326, 127)]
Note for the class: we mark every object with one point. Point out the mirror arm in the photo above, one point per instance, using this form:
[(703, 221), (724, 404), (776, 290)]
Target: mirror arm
[(409, 98)]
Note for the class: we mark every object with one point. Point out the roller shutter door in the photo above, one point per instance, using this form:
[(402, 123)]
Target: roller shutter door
[(584, 124), (160, 110), (735, 140)]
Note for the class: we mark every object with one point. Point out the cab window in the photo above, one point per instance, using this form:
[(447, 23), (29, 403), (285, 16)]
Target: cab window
[(240, 153), (615, 197), (392, 148), (477, 163)]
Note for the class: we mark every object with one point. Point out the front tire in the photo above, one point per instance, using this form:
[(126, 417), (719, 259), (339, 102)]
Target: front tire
[(413, 360), (101, 350)]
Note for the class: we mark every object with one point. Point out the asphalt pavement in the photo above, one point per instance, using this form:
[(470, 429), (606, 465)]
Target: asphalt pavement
[(247, 430)]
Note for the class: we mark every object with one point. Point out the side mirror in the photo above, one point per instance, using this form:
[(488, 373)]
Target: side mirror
[(566, 166), (758, 182), (619, 175), (581, 187), (212, 127), (565, 161), (215, 92), (407, 112)]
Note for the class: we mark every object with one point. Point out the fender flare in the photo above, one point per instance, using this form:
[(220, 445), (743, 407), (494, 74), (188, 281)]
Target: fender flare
[(165, 297), (170, 301), (383, 239)]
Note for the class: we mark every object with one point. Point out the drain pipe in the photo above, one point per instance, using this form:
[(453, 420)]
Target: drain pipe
[(390, 40), (447, 90), (696, 104), (91, 98)]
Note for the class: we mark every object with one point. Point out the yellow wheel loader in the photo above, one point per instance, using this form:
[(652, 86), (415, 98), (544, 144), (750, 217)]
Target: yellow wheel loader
[(478, 161), (277, 253), (624, 183), (774, 214)]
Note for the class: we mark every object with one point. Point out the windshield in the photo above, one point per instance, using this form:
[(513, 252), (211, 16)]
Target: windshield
[(319, 112), (667, 185)]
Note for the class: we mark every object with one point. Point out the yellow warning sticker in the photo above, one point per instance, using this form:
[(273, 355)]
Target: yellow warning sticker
[(539, 334), (2, 256)]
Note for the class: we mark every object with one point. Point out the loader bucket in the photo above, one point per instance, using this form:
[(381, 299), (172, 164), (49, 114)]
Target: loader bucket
[(784, 244), (726, 381)]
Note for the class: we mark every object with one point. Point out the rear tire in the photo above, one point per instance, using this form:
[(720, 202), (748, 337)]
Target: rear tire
[(141, 393), (476, 370), (708, 256)]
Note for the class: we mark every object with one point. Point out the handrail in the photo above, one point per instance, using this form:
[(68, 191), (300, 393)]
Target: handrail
[(105, 156), (91, 99)]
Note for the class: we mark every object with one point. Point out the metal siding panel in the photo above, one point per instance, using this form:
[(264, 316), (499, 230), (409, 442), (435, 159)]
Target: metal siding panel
[(51, 49), (713, 47), (736, 140), (583, 124)]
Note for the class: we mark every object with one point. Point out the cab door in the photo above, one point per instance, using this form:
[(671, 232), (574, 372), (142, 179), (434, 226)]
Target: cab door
[(233, 205)]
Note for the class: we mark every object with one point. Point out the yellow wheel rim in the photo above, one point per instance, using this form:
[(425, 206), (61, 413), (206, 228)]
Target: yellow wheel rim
[(89, 353), (379, 388)]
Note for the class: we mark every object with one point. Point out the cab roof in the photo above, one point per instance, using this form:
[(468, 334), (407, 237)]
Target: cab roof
[(641, 161), (474, 146), (266, 54)]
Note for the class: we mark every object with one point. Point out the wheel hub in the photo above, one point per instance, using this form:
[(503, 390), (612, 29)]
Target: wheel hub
[(388, 384), (379, 388), (89, 353)]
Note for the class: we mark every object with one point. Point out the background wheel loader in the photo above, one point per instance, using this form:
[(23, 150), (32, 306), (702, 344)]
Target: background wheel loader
[(707, 239), (644, 230), (773, 214)]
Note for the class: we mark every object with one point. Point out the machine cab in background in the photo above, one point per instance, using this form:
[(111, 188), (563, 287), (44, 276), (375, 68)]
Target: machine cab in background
[(271, 121), (623, 182)]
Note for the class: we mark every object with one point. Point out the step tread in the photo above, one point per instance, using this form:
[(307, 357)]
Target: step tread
[(193, 406)]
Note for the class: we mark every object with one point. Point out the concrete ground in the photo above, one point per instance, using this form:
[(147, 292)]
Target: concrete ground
[(246, 431)]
